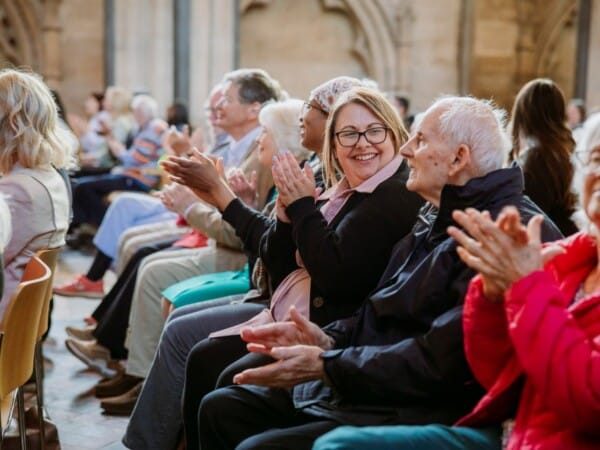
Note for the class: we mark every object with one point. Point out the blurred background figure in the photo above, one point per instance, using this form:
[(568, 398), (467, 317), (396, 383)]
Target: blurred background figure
[(576, 114), (543, 145)]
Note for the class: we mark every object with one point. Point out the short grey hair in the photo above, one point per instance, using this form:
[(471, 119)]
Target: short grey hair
[(282, 120), (478, 124), (146, 104)]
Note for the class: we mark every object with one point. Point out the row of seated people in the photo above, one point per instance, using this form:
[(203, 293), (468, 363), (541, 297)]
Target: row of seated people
[(323, 254)]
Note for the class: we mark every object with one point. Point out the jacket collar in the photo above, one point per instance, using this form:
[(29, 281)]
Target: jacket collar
[(480, 193)]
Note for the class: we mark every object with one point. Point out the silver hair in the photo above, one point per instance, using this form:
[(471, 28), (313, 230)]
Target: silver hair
[(146, 104), (5, 224), (590, 137), (480, 125), (281, 118)]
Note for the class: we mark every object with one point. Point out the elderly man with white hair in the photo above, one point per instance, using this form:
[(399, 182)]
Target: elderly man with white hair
[(400, 358), (137, 170)]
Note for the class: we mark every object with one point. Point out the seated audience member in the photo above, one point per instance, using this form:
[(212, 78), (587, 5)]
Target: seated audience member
[(5, 232), (280, 133), (137, 169), (400, 358), (32, 147), (543, 145), (360, 210), (530, 322)]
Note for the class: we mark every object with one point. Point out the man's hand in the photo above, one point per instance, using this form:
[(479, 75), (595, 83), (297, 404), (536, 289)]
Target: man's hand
[(177, 143), (297, 331), (296, 364)]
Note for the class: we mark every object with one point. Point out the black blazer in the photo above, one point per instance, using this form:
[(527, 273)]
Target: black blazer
[(346, 257)]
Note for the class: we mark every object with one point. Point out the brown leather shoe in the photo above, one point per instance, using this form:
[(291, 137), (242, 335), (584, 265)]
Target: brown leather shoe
[(116, 386), (122, 405), (92, 354), (83, 334)]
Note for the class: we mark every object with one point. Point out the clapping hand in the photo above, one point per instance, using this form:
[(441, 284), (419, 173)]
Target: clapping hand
[(176, 142), (245, 189), (292, 182), (502, 251)]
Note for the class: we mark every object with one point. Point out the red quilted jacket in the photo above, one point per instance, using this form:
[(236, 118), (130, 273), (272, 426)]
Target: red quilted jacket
[(541, 351)]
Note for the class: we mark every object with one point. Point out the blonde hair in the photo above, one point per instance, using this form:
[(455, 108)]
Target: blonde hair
[(30, 131), (119, 99), (375, 102), (282, 119)]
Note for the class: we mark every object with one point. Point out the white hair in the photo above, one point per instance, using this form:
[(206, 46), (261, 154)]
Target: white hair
[(5, 224), (146, 105), (480, 125), (282, 120), (590, 137)]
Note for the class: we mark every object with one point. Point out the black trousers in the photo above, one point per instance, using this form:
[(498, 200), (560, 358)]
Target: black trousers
[(212, 363), (112, 314), (252, 417)]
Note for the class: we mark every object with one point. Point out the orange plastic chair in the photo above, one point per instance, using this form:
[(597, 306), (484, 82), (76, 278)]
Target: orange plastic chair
[(20, 326), (49, 257)]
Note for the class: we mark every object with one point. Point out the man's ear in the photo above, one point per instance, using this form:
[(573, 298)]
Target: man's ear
[(462, 158), (254, 110)]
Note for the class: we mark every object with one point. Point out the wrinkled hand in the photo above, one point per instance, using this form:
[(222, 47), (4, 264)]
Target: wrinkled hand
[(296, 364), (197, 140), (503, 251), (177, 198), (244, 189), (176, 142), (292, 182), (297, 331), (198, 172)]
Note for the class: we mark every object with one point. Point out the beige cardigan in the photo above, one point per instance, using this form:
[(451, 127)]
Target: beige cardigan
[(39, 207)]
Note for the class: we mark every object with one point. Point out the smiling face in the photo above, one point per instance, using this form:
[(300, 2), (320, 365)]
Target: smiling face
[(429, 158), (312, 127), (232, 115), (591, 187), (364, 159)]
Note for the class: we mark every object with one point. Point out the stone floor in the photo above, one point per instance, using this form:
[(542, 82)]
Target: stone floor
[(69, 386)]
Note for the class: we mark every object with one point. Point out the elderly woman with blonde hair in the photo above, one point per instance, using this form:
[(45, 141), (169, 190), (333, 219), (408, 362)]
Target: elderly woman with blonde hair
[(32, 147)]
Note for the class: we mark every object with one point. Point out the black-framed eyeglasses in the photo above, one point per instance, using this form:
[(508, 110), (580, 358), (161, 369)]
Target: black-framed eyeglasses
[(349, 138), (307, 107)]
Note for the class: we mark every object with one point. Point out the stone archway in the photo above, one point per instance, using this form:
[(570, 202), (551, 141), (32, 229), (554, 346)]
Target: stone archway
[(20, 40), (30, 36), (364, 32)]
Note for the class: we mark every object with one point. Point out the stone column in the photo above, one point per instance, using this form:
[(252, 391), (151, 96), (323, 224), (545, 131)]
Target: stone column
[(212, 44), (52, 43), (144, 48)]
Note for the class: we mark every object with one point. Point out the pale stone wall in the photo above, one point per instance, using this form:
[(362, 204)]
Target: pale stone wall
[(82, 52), (212, 50), (301, 53), (419, 48), (434, 67), (144, 48)]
